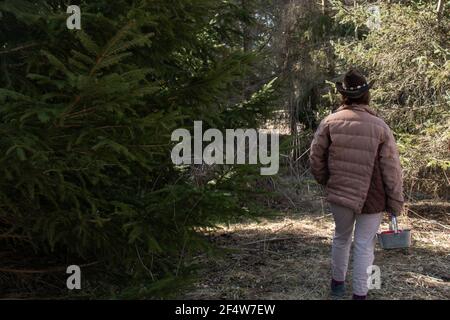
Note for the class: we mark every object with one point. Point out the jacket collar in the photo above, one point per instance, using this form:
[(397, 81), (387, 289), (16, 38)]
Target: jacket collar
[(360, 107)]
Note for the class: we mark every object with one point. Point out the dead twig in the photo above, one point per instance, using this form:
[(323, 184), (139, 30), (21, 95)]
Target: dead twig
[(302, 154), (143, 264), (50, 270), (13, 236), (324, 216), (25, 46)]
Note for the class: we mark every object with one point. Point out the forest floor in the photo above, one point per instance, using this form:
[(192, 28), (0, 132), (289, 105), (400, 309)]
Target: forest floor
[(289, 258)]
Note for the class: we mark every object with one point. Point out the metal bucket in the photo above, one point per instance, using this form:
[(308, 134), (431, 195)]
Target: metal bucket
[(394, 238)]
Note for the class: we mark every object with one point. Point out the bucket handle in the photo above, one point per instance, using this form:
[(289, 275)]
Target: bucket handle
[(393, 225)]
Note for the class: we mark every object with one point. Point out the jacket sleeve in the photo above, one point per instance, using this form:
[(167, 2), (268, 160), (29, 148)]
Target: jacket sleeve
[(392, 174), (318, 157)]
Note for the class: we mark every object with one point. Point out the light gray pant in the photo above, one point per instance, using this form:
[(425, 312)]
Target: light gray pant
[(366, 227)]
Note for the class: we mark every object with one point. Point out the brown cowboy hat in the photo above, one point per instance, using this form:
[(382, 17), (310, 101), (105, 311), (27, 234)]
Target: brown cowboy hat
[(354, 85)]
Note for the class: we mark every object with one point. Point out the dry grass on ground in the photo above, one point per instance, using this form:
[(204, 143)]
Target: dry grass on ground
[(288, 258)]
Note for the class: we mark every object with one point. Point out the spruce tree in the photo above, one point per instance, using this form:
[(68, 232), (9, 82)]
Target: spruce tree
[(86, 118)]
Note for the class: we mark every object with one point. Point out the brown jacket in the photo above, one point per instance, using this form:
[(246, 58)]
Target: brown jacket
[(355, 156)]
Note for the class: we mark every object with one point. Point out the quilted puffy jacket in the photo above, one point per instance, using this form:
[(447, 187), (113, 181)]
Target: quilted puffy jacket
[(355, 156)]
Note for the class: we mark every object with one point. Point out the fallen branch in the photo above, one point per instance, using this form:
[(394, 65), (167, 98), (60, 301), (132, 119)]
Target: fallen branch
[(428, 220), (271, 240), (251, 249)]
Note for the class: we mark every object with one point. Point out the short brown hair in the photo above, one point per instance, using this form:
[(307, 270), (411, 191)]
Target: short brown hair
[(364, 99)]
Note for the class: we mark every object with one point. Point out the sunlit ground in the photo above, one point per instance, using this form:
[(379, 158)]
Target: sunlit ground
[(290, 259)]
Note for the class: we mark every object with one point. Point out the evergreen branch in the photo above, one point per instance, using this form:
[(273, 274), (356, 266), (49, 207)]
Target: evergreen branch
[(111, 43), (99, 60), (72, 106), (81, 112)]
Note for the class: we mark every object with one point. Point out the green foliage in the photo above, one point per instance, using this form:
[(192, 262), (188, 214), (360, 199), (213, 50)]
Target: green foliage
[(86, 118), (409, 58)]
